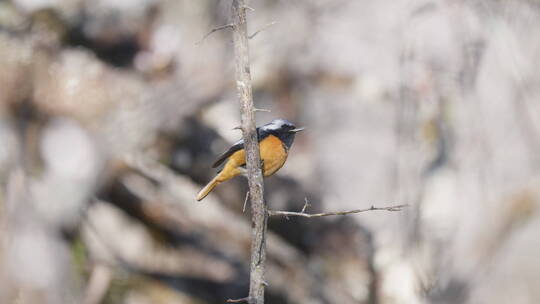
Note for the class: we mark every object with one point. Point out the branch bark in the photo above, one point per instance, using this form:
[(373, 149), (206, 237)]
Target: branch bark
[(259, 214)]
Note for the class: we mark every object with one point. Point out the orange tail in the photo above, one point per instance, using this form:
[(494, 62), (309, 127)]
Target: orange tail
[(208, 188)]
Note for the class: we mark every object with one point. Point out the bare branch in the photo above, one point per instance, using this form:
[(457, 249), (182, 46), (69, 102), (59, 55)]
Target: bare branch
[(259, 215), (309, 215), (261, 110), (219, 28), (238, 300), (262, 29)]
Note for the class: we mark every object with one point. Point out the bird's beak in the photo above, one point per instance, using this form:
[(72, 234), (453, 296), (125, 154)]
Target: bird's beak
[(237, 128), (297, 130)]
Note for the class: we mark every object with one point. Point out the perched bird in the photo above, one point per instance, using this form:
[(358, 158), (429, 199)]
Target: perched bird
[(275, 140)]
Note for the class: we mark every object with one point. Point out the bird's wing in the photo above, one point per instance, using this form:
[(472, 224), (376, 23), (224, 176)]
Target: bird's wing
[(235, 147), (238, 146)]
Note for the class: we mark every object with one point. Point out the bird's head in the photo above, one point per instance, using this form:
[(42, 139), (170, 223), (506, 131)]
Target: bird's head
[(282, 128)]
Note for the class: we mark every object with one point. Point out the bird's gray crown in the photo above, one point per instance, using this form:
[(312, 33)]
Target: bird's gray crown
[(278, 124)]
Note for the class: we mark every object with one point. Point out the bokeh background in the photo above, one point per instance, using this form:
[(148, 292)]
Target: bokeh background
[(112, 112)]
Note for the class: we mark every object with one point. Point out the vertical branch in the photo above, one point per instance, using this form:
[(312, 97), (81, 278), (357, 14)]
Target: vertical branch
[(255, 179)]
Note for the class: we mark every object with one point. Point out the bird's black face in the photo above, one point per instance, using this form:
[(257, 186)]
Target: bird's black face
[(283, 129)]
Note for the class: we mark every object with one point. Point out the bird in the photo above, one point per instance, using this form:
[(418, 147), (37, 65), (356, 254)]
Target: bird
[(275, 140)]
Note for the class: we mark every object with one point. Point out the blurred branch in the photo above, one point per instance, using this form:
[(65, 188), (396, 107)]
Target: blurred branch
[(255, 179), (238, 300), (525, 121), (262, 29), (219, 28), (100, 280)]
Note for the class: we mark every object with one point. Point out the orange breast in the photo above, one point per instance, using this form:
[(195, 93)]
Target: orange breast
[(273, 154)]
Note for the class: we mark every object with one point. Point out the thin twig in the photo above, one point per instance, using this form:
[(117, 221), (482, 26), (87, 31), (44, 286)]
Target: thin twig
[(262, 29), (238, 300), (219, 28), (245, 202), (261, 110), (306, 205), (309, 215)]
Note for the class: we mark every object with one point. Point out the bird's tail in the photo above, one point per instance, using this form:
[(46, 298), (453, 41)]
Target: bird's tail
[(208, 188)]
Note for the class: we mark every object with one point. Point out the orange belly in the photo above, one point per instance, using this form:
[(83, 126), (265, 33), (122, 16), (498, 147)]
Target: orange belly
[(272, 153)]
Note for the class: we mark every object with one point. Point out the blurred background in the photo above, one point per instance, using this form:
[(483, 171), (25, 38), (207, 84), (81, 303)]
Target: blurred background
[(112, 112)]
